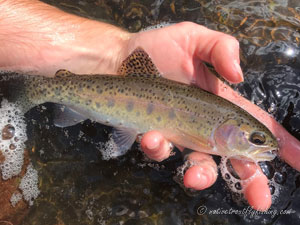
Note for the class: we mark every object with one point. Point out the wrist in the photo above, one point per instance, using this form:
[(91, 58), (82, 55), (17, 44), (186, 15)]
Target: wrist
[(92, 47), (50, 39)]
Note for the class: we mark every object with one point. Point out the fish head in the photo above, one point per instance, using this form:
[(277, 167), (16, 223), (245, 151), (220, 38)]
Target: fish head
[(245, 139)]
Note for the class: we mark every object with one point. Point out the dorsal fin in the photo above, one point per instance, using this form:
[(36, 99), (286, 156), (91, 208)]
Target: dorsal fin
[(138, 63), (63, 73)]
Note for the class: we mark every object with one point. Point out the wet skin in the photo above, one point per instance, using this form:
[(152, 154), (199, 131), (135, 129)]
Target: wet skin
[(178, 52)]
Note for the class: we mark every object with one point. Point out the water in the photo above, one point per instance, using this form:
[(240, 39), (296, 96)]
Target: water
[(79, 187)]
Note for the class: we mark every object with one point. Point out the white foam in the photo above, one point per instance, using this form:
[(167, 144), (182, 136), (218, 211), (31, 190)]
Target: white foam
[(15, 198), (29, 185), (110, 150), (178, 178), (232, 181), (236, 185), (12, 148), (12, 165)]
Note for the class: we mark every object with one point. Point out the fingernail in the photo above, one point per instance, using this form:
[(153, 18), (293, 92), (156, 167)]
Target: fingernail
[(238, 69), (202, 182), (200, 178), (153, 144)]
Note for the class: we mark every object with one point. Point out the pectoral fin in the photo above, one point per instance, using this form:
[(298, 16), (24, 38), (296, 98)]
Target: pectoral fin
[(65, 116), (123, 138), (138, 63), (186, 140)]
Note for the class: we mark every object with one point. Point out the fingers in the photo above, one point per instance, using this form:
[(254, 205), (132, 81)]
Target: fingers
[(200, 176), (219, 49), (203, 174), (155, 146), (256, 189), (224, 57), (289, 146), (186, 45)]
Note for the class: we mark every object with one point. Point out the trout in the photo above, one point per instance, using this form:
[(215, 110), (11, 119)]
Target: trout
[(138, 100)]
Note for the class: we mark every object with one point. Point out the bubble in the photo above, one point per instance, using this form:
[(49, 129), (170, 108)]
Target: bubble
[(8, 132), (231, 178), (238, 186), (267, 169), (13, 137), (280, 178), (29, 185), (110, 150), (227, 176), (272, 189), (12, 147), (231, 170), (15, 198)]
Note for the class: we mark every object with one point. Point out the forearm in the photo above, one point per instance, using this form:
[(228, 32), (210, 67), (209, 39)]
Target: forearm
[(38, 38)]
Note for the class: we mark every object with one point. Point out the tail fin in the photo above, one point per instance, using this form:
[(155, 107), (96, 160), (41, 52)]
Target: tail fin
[(12, 88)]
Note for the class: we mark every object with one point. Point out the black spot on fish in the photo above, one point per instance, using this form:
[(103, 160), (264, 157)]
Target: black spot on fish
[(150, 108), (158, 119), (129, 106), (172, 114), (98, 105)]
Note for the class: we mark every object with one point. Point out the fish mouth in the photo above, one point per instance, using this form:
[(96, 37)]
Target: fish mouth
[(266, 154)]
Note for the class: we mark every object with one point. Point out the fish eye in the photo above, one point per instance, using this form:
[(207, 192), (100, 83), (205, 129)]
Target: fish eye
[(257, 138)]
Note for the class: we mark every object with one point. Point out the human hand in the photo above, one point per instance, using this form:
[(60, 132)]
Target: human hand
[(179, 51)]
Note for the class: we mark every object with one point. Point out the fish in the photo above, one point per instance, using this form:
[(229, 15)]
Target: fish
[(138, 99)]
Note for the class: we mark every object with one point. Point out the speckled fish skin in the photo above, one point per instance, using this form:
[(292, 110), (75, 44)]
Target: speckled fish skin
[(186, 115)]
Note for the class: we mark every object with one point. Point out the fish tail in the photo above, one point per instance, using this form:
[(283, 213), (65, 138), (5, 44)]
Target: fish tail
[(13, 88)]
